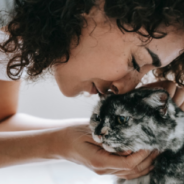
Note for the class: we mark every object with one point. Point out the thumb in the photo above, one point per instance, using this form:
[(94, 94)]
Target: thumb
[(125, 153)]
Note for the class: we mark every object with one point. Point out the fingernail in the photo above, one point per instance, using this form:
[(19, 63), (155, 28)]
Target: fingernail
[(147, 151), (151, 168), (156, 152)]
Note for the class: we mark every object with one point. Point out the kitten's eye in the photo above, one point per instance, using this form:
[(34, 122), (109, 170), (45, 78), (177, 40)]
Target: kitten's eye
[(123, 119), (96, 117)]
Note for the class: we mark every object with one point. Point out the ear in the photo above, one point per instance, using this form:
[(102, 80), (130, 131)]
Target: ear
[(158, 100)]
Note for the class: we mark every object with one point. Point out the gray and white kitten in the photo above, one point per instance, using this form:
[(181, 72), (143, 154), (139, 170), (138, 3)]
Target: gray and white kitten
[(143, 119)]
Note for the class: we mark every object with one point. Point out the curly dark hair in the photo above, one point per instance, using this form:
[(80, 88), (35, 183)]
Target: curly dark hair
[(42, 30)]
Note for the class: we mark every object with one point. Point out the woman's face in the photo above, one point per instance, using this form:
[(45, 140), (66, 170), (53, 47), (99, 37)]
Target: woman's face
[(107, 59)]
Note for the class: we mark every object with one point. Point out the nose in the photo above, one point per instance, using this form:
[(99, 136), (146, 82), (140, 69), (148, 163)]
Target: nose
[(127, 83), (101, 131), (130, 81), (114, 89)]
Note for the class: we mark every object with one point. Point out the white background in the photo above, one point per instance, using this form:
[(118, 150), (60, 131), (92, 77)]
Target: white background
[(43, 99)]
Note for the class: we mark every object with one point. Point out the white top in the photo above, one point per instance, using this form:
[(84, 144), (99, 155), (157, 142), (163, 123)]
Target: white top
[(5, 7), (4, 58)]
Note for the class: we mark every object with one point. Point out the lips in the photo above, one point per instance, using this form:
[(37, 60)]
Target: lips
[(96, 90)]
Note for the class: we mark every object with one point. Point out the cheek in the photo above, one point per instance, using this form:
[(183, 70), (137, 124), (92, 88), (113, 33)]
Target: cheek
[(93, 125), (105, 68), (104, 59), (114, 73), (67, 86), (131, 132), (110, 71), (132, 79)]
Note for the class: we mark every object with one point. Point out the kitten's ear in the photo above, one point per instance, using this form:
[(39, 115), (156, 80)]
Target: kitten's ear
[(159, 100)]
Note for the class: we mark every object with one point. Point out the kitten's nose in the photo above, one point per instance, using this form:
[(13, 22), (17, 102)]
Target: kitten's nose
[(104, 131), (100, 131)]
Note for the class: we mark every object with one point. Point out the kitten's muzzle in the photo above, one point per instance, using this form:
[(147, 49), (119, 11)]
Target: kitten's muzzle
[(97, 138), (102, 131)]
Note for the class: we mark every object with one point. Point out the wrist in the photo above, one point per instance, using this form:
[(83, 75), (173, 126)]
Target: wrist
[(56, 144), (62, 141)]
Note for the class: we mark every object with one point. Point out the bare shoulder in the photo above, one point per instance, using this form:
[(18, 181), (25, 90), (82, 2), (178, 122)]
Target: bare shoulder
[(9, 92)]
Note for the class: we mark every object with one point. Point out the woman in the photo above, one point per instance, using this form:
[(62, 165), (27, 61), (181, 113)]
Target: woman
[(92, 46)]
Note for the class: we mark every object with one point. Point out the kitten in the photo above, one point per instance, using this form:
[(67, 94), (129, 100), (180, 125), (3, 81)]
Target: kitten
[(143, 119)]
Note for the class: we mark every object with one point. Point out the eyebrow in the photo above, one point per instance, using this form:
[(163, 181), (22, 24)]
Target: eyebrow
[(155, 59)]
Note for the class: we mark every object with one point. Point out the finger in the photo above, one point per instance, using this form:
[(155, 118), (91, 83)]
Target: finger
[(90, 140), (124, 153), (147, 163), (105, 172), (182, 106), (135, 159), (122, 162), (178, 96), (133, 176)]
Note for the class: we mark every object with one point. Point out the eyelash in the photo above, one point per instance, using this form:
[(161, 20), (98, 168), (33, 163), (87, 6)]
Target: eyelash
[(136, 67)]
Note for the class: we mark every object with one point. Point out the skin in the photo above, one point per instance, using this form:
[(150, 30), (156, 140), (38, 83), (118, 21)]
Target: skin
[(66, 139), (103, 57)]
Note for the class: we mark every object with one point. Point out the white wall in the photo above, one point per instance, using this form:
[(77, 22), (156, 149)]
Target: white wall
[(44, 99), (5, 5)]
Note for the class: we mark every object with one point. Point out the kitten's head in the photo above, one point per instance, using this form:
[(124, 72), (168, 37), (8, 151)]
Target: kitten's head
[(141, 119)]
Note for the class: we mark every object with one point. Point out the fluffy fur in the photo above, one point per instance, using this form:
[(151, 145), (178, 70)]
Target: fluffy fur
[(143, 119)]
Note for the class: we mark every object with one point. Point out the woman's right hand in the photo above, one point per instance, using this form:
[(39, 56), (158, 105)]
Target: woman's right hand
[(79, 147)]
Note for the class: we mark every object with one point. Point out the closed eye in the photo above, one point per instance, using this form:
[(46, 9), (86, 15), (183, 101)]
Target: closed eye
[(135, 65)]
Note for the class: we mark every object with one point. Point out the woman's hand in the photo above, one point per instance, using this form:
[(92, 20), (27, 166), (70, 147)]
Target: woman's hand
[(79, 147)]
